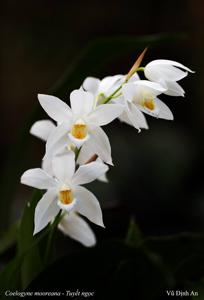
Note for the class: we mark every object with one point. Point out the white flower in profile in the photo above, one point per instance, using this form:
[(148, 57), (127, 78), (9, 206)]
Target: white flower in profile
[(141, 97), (74, 226), (64, 190), (101, 89), (167, 73)]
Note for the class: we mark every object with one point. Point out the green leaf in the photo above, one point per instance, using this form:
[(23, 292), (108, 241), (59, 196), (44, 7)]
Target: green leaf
[(199, 289), (32, 263), (27, 262), (49, 242), (9, 238), (134, 235), (9, 277)]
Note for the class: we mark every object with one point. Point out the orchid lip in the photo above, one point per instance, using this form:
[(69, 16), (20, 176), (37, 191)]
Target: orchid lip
[(66, 199), (66, 196)]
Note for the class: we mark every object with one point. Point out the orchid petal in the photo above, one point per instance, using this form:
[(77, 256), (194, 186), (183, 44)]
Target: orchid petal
[(42, 129), (110, 83), (154, 87), (46, 210), (136, 117), (85, 153), (88, 205), (81, 102), (58, 135), (88, 173), (166, 70), (64, 166), (124, 118), (173, 88), (164, 111), (105, 113), (134, 77), (103, 178), (100, 144), (78, 229), (55, 108), (47, 165), (134, 91), (38, 178), (91, 84)]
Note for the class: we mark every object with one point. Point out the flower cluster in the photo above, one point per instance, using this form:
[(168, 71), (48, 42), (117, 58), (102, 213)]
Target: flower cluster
[(78, 150)]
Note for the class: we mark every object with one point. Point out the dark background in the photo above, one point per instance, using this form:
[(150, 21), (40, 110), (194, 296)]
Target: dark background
[(158, 174)]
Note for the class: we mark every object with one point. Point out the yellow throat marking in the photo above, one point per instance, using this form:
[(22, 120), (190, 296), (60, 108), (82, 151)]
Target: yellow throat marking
[(79, 130), (66, 196), (148, 102)]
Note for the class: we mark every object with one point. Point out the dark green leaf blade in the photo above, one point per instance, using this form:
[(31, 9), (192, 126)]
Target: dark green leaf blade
[(9, 238), (32, 263)]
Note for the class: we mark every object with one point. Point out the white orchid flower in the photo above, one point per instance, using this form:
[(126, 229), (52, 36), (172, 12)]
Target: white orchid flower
[(79, 123), (43, 128), (106, 87), (64, 190), (167, 73), (74, 226), (84, 156), (98, 145), (141, 96), (101, 89)]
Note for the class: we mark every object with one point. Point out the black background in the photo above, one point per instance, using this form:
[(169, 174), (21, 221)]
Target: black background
[(158, 174)]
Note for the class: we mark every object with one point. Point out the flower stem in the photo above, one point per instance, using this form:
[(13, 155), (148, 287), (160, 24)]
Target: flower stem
[(140, 69), (77, 151), (113, 94), (53, 226)]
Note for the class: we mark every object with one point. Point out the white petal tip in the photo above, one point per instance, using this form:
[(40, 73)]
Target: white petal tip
[(101, 224), (40, 96), (91, 245), (23, 178), (36, 230), (170, 118), (110, 162)]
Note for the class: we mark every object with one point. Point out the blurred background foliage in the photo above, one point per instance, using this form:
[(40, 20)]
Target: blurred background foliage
[(50, 47)]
